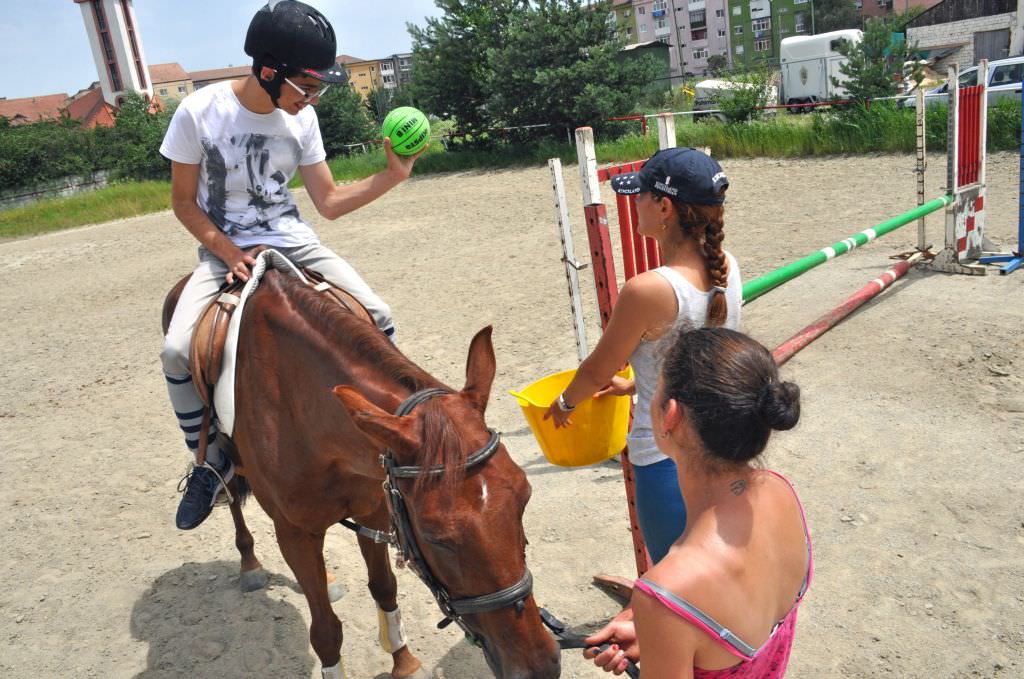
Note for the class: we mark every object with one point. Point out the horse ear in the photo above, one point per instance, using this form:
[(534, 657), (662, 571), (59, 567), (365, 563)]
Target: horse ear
[(385, 429), (480, 370)]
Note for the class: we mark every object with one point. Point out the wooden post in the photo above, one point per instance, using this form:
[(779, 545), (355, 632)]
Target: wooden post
[(666, 131), (587, 157)]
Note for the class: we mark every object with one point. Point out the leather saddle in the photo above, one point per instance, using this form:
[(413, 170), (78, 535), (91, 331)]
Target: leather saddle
[(206, 354)]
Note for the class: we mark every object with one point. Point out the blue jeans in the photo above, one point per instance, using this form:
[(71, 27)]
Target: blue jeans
[(659, 506)]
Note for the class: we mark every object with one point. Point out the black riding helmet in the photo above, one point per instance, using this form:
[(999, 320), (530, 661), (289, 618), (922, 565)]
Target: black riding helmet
[(292, 38)]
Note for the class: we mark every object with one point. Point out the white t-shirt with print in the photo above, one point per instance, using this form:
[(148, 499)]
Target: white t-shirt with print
[(245, 162)]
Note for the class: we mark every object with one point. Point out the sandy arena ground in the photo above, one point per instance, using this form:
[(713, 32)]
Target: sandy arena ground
[(908, 456)]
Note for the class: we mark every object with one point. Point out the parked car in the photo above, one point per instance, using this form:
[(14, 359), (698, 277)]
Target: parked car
[(1004, 82)]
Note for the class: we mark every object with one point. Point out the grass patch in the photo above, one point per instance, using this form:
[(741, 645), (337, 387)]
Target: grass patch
[(112, 202), (880, 129)]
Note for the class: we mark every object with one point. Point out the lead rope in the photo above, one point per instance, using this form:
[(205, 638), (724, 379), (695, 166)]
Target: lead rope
[(567, 640)]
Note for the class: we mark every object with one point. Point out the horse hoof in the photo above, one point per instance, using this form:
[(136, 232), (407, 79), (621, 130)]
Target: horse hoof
[(420, 673), (250, 581), (335, 590)]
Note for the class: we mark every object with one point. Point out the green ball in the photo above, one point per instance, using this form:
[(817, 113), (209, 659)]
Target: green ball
[(408, 128)]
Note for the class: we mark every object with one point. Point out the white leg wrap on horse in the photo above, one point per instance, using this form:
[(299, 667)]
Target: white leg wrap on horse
[(336, 672), (392, 632)]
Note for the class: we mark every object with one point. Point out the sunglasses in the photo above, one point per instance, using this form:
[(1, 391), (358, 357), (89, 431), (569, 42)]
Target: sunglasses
[(308, 96)]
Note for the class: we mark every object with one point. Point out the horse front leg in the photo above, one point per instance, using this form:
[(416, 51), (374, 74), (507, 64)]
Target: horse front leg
[(251, 576), (384, 590), (304, 552)]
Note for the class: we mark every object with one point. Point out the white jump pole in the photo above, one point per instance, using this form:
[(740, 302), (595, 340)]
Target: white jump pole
[(572, 266)]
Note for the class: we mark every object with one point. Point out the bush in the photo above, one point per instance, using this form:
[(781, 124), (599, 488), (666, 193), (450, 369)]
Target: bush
[(44, 151), (751, 94)]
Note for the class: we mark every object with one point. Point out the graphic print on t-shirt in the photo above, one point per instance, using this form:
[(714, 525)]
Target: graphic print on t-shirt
[(255, 165)]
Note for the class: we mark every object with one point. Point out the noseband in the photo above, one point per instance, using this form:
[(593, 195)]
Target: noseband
[(403, 538)]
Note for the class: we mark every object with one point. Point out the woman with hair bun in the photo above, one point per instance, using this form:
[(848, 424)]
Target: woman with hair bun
[(722, 604), (680, 196)]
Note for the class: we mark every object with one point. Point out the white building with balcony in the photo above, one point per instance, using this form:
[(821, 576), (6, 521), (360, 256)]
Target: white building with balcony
[(694, 29)]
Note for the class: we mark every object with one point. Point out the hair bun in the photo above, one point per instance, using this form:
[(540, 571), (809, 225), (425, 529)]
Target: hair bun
[(778, 405)]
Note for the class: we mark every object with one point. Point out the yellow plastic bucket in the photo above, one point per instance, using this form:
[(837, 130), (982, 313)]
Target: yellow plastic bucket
[(599, 426)]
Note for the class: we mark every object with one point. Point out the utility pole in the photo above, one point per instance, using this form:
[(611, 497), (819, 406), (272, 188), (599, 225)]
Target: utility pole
[(814, 32)]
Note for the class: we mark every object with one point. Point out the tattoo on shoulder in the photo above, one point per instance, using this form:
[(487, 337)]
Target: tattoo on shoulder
[(738, 486)]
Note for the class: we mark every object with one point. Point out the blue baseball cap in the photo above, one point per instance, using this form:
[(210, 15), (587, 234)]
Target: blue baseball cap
[(683, 174)]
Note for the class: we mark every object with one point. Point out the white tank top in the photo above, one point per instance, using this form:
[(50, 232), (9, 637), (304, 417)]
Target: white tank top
[(692, 305)]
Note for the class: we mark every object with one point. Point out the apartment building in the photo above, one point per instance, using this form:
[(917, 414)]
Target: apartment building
[(758, 26), (396, 71), (623, 20), (693, 29), (879, 8), (170, 82), (364, 75)]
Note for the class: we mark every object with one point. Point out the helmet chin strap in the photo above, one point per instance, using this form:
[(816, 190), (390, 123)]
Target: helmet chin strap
[(272, 86)]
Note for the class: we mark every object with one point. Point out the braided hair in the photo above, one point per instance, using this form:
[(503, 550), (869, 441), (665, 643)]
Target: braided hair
[(705, 224)]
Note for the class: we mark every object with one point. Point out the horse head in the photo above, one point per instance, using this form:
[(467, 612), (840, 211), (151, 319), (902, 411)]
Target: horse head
[(458, 514)]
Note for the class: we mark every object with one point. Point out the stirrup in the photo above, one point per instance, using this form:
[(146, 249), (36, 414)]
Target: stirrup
[(223, 495)]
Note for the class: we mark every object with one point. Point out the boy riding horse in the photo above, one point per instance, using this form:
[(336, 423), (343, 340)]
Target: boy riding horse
[(234, 146)]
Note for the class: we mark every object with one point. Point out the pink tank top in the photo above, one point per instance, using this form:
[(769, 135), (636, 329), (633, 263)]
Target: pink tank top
[(767, 662)]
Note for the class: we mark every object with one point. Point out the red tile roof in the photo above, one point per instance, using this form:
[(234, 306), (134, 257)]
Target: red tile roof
[(220, 73), (90, 108), (166, 73), (33, 109), (347, 59)]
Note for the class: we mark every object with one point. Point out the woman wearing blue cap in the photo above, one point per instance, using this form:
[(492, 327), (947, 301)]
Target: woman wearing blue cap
[(679, 199)]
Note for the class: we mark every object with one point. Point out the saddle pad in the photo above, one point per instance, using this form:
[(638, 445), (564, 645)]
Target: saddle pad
[(224, 390)]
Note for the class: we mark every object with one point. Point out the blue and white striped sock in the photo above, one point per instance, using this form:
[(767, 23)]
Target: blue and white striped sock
[(188, 407)]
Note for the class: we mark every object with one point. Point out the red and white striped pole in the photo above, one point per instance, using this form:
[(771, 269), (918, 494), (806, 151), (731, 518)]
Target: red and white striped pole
[(790, 347)]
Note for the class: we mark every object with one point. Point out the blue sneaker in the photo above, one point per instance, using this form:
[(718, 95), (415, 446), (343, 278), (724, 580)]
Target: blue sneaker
[(203, 486)]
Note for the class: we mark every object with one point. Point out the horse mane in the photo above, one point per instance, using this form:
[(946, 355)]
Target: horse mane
[(442, 446)]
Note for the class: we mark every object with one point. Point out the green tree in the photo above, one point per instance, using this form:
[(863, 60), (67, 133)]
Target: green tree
[(381, 101), (560, 64), (343, 120), (135, 139), (834, 15), (717, 64), (877, 65), (451, 71)]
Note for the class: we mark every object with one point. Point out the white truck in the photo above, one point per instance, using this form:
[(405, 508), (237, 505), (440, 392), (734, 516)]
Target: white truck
[(809, 62)]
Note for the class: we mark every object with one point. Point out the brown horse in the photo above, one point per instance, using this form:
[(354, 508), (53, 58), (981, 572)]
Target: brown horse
[(311, 462)]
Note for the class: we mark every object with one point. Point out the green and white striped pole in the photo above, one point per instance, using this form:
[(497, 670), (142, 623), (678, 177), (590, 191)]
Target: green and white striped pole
[(757, 287)]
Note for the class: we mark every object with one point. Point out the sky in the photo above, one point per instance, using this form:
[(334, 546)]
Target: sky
[(44, 48)]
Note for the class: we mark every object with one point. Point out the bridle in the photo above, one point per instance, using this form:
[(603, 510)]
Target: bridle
[(403, 538)]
